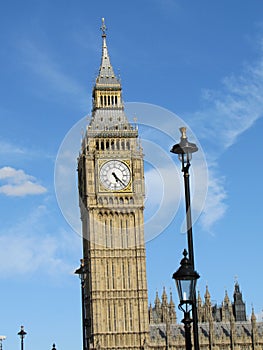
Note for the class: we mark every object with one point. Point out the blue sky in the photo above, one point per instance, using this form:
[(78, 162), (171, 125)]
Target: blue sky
[(197, 62)]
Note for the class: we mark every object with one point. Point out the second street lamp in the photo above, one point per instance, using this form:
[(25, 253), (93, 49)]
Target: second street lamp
[(186, 278), (184, 150), (22, 335)]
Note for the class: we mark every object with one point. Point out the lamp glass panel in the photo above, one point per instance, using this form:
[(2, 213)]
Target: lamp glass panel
[(186, 289)]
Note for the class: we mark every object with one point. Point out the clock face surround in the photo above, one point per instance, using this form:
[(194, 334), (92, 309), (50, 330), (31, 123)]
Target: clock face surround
[(115, 175)]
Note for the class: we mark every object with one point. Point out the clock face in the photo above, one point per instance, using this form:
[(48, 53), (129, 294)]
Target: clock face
[(115, 175)]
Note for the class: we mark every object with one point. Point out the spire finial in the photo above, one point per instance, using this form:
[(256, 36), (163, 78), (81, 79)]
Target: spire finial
[(103, 27)]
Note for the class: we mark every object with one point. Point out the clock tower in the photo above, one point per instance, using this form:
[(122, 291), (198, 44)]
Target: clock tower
[(111, 197)]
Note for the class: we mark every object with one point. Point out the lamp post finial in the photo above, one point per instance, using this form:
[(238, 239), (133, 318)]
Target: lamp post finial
[(183, 132)]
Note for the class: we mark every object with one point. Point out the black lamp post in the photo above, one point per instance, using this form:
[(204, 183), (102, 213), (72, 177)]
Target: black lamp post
[(80, 271), (186, 278), (22, 335), (184, 149)]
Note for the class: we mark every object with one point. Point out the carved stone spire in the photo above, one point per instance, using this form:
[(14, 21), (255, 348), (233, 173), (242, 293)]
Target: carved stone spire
[(106, 75), (108, 108), (164, 297)]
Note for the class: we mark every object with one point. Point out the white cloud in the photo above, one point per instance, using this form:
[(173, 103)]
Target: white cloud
[(9, 148), (14, 151), (228, 114), (232, 111), (19, 183), (215, 206)]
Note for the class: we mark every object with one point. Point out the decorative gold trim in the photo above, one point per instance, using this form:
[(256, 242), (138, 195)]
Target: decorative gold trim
[(102, 188)]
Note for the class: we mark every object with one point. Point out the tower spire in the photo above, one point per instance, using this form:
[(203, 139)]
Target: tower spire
[(106, 76), (108, 107)]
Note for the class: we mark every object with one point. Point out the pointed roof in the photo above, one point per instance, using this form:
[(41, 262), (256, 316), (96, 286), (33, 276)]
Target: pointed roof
[(226, 298), (108, 116), (164, 297), (207, 294), (253, 316), (157, 301), (171, 303), (106, 76)]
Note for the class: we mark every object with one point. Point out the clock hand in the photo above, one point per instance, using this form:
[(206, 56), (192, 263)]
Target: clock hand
[(117, 179)]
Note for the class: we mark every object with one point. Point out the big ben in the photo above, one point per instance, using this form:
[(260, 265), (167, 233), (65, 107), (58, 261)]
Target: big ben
[(111, 196)]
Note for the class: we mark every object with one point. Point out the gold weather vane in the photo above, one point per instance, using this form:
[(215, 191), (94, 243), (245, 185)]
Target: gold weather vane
[(103, 26)]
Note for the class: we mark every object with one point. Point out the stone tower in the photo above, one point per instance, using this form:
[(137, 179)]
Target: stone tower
[(111, 193), (239, 307)]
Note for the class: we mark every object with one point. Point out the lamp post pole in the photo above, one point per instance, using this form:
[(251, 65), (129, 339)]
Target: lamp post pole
[(22, 335), (187, 330), (184, 150)]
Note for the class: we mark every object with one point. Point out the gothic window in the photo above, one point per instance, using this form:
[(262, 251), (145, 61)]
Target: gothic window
[(125, 317), (108, 275), (122, 234), (113, 275), (127, 233), (111, 234), (107, 235), (114, 316), (123, 276), (130, 315), (109, 317), (129, 275)]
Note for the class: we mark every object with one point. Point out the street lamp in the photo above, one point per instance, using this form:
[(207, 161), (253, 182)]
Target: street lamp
[(81, 272), (22, 335), (185, 149), (186, 278)]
